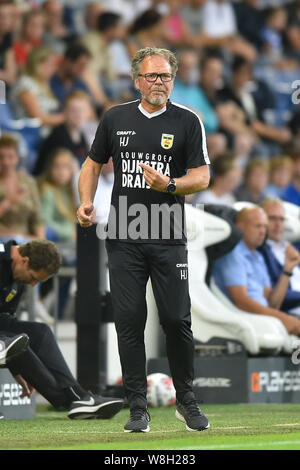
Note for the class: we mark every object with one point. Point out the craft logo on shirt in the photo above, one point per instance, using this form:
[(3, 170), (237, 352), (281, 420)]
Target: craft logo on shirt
[(184, 271), (124, 139), (167, 141)]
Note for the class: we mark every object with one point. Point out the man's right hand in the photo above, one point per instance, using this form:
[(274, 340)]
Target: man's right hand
[(86, 214), (27, 389), (292, 258)]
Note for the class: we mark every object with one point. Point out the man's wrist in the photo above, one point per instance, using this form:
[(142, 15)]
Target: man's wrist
[(171, 186), (287, 272)]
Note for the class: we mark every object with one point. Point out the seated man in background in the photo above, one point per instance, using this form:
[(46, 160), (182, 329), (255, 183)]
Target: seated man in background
[(242, 274), (42, 366), (281, 258)]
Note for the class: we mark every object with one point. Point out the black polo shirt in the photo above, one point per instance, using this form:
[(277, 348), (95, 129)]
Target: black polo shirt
[(171, 140), (10, 291)]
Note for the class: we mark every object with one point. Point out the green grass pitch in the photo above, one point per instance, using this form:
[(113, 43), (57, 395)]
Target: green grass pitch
[(241, 426)]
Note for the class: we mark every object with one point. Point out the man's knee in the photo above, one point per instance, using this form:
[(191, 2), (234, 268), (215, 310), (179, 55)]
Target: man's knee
[(176, 325)]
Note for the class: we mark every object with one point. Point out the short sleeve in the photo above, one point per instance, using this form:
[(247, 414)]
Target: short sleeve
[(26, 83), (196, 149), (100, 151)]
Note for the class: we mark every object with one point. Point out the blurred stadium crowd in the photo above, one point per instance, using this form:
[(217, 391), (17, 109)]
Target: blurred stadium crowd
[(63, 63)]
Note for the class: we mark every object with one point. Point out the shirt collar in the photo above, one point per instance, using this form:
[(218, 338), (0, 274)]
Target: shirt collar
[(151, 115), (5, 248), (246, 251), (273, 244)]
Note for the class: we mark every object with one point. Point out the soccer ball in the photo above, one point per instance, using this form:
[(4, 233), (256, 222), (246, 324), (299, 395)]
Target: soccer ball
[(160, 390)]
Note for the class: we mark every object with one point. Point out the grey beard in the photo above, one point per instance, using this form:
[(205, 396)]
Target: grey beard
[(158, 100)]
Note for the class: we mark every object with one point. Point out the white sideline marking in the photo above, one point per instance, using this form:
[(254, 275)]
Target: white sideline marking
[(219, 428), (287, 424), (241, 444)]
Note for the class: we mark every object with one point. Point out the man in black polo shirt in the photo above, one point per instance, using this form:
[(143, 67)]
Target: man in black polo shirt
[(159, 155), (42, 366)]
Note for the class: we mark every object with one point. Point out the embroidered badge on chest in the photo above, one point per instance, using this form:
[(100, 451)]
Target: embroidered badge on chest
[(167, 141)]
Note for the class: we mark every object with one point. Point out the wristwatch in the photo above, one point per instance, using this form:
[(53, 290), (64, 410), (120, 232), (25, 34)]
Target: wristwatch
[(287, 273), (171, 186)]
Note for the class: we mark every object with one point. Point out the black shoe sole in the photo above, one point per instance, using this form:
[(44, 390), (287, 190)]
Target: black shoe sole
[(104, 411), (16, 347)]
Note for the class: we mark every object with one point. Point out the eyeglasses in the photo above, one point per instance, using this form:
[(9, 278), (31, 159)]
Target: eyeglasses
[(152, 77), (273, 218)]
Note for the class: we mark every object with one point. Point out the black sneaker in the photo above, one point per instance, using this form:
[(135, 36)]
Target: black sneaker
[(10, 347), (139, 421), (95, 407), (190, 413)]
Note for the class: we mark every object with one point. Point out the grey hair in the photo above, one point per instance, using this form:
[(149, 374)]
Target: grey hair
[(271, 200), (148, 52)]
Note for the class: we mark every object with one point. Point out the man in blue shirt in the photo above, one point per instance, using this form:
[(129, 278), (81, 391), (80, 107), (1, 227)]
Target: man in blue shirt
[(69, 76), (242, 274), (187, 92)]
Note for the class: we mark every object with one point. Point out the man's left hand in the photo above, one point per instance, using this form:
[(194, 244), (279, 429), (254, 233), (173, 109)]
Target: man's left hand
[(154, 179)]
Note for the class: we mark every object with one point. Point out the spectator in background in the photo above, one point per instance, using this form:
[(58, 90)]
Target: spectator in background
[(31, 95), (192, 13), (110, 28), (92, 11), (20, 215), (68, 76), (148, 30), (281, 258), (130, 9), (8, 66), (31, 35), (72, 75), (273, 40), (293, 28), (57, 35), (225, 36), (231, 120), (294, 123), (250, 21), (292, 192), (219, 22), (226, 176), (256, 179), (242, 274), (58, 206), (281, 171), (69, 135), (187, 92), (177, 28), (256, 101), (57, 196)]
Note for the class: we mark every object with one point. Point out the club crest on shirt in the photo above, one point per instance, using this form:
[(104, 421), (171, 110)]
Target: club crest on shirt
[(167, 141)]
